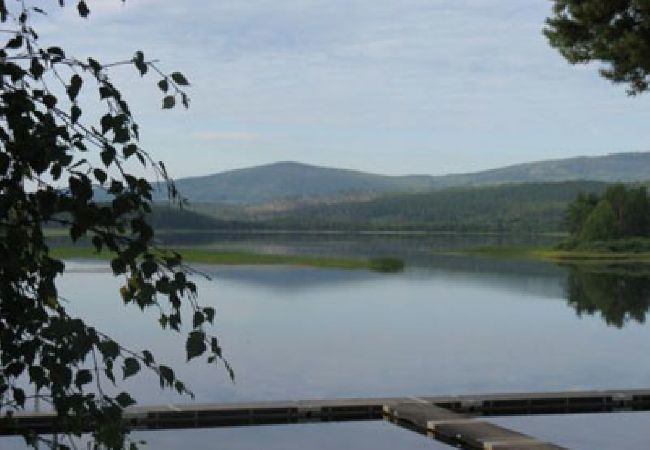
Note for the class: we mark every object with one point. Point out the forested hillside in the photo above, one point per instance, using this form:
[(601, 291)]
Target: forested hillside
[(528, 207), (517, 207), (290, 180), (623, 167), (172, 218)]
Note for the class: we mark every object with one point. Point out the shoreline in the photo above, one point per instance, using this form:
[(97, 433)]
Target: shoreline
[(56, 232), (556, 255), (240, 258)]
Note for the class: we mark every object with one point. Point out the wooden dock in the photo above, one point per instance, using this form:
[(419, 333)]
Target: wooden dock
[(460, 430), (465, 407)]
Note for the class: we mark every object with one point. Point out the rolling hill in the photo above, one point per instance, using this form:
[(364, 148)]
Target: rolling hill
[(292, 180)]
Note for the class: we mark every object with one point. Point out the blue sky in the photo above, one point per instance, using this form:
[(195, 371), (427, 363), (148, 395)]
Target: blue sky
[(395, 87)]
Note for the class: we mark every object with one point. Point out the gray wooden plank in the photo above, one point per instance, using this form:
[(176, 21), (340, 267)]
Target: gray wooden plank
[(459, 429), (420, 415), (482, 435)]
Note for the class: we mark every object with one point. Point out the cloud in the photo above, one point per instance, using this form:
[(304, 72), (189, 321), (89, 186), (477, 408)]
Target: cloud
[(409, 86)]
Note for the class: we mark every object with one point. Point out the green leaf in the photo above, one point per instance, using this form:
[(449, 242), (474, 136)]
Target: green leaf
[(180, 387), (15, 42), (100, 175), (56, 52), (83, 9), (108, 371), (106, 122), (83, 377), (74, 87), (19, 396), (168, 102), (107, 155), (36, 68), (118, 266), (124, 400), (129, 150), (49, 101), (209, 314), (149, 267), (37, 376), (195, 344), (140, 64), (166, 376), (198, 319), (121, 135), (75, 113), (163, 85), (94, 65), (148, 357), (105, 92), (131, 367), (109, 349), (179, 79)]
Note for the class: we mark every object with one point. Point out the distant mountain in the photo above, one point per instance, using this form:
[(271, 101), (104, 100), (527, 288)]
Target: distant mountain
[(625, 167), (284, 180), (291, 180)]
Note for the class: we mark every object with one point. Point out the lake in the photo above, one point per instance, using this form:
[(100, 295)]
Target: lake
[(446, 325)]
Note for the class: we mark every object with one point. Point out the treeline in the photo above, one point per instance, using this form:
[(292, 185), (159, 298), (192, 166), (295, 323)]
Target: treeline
[(164, 217), (530, 207), (619, 212), (174, 218)]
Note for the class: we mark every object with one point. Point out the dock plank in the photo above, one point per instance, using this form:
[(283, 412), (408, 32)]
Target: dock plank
[(459, 429)]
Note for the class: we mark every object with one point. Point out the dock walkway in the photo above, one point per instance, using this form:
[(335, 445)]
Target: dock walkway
[(441, 417)]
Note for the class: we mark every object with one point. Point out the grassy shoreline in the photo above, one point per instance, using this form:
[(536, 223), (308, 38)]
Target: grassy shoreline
[(221, 257), (64, 232), (557, 255)]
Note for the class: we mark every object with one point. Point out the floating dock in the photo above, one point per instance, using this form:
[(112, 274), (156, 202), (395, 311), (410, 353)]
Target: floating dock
[(460, 410)]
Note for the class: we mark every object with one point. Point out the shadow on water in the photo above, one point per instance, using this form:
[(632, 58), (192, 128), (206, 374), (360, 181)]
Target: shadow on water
[(619, 293)]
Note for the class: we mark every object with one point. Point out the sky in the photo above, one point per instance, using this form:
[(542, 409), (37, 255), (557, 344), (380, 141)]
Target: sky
[(385, 86)]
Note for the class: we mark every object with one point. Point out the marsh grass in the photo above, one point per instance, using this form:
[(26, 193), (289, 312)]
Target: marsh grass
[(221, 257), (599, 252)]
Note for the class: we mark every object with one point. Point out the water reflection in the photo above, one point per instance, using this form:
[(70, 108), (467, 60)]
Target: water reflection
[(619, 293), (448, 324), (414, 248)]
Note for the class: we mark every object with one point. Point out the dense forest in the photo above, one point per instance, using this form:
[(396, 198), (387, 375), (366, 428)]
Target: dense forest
[(590, 210), (171, 218), (619, 212), (529, 207), (165, 217)]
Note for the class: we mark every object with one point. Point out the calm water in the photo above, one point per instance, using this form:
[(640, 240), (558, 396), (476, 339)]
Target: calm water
[(446, 325)]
